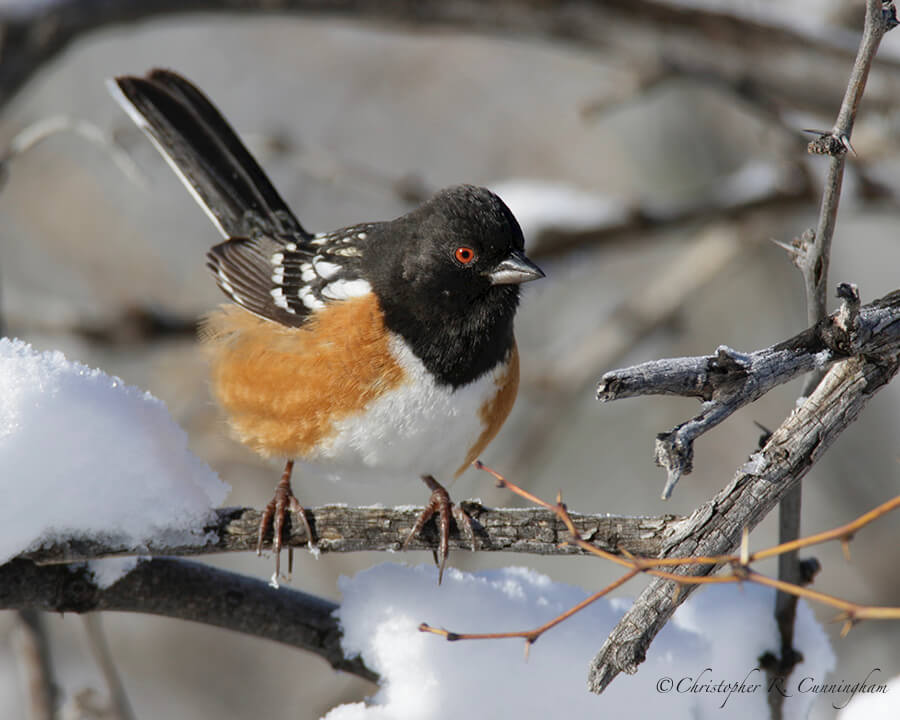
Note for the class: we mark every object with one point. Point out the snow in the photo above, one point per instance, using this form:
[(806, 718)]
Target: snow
[(107, 571), (753, 181), (541, 205), (716, 637), (84, 455), (874, 704), (823, 359), (756, 464)]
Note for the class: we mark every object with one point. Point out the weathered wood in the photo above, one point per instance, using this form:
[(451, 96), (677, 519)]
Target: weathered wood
[(729, 380), (716, 526), (339, 528)]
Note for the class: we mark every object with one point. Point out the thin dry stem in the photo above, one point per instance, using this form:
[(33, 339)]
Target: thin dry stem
[(37, 665), (852, 613), (531, 636), (813, 262), (96, 637)]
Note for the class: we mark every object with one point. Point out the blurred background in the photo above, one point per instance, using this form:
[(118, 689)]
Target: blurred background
[(651, 157)]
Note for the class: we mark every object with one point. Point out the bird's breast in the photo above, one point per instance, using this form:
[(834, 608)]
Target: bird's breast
[(344, 389), (423, 427)]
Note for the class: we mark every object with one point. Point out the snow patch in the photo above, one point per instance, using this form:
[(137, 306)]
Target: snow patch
[(724, 628), (82, 455)]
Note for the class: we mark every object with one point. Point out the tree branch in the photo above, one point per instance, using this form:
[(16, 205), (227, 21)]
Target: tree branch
[(96, 637), (339, 528), (37, 664), (748, 52), (812, 255), (187, 591), (729, 379), (715, 527)]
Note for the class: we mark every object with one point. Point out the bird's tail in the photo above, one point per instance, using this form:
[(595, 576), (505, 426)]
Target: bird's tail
[(205, 152)]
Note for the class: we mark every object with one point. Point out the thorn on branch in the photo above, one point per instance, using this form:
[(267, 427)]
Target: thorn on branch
[(848, 624), (889, 16), (745, 547), (765, 436), (800, 248), (845, 547)]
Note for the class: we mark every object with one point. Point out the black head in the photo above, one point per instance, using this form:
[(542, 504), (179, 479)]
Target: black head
[(447, 275)]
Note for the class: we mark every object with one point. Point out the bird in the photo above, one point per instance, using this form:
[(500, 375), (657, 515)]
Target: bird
[(383, 345)]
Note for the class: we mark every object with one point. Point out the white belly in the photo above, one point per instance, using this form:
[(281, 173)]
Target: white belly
[(420, 428)]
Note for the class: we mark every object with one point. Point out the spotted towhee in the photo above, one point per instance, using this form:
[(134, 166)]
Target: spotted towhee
[(385, 344)]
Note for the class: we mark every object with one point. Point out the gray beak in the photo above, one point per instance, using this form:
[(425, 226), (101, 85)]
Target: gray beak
[(515, 269)]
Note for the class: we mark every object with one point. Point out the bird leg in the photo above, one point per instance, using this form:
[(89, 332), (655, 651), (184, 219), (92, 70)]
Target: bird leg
[(440, 503), (274, 517)]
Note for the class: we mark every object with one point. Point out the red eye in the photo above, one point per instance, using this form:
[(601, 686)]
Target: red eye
[(464, 254)]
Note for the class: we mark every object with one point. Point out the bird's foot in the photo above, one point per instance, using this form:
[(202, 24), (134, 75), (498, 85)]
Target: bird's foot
[(274, 516), (441, 504)]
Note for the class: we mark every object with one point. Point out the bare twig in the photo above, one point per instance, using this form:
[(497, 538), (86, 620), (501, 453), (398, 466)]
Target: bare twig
[(531, 636), (851, 612), (814, 259), (339, 528), (812, 255), (187, 591), (729, 379), (34, 651), (118, 698), (844, 533)]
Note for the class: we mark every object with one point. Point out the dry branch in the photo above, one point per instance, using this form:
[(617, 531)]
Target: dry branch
[(715, 528), (730, 379), (339, 528), (772, 59), (119, 703), (740, 565), (812, 255), (187, 591), (37, 665)]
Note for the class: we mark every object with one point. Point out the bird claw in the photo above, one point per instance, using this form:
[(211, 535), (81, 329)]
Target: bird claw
[(440, 503), (274, 516)]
